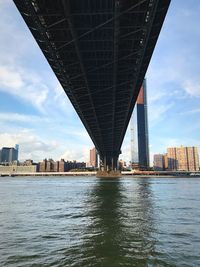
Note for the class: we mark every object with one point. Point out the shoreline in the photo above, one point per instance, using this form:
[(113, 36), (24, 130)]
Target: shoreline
[(89, 174)]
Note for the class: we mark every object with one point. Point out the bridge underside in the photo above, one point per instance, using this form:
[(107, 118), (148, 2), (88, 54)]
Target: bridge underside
[(99, 51)]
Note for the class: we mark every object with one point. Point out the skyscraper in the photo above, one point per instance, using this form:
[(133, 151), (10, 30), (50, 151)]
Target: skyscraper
[(139, 131), (134, 141), (9, 154)]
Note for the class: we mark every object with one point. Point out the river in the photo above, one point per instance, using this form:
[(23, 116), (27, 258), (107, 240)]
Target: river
[(86, 221)]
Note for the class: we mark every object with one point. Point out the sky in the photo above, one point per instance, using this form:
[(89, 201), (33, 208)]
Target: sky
[(36, 113)]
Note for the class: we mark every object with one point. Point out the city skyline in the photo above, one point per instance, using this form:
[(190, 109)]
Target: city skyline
[(36, 113), (178, 159)]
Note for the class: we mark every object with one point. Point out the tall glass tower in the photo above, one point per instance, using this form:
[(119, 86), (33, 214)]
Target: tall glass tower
[(134, 140), (139, 131)]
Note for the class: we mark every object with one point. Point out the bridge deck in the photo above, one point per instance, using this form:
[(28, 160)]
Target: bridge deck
[(99, 51)]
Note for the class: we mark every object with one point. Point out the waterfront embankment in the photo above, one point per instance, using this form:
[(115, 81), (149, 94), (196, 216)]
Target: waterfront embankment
[(93, 173)]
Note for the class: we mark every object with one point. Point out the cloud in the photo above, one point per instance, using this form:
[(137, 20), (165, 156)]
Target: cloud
[(36, 147), (192, 88), (61, 101), (31, 146), (24, 72), (20, 71), (157, 113), (13, 43), (10, 79), (155, 97), (81, 155), (165, 142), (175, 60), (15, 82), (192, 111), (16, 117)]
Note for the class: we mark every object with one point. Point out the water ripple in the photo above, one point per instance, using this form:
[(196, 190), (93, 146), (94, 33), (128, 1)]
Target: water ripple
[(94, 222)]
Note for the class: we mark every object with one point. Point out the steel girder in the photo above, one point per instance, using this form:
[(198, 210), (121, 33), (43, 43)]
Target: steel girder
[(99, 51)]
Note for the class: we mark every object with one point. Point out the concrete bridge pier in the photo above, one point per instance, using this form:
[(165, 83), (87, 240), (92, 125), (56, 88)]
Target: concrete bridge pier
[(109, 167)]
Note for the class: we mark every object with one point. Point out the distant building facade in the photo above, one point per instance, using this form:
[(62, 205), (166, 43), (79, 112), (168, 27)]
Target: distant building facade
[(18, 169), (139, 131), (9, 154), (93, 158), (122, 165), (56, 166), (43, 165), (50, 166), (27, 162), (183, 158), (60, 166), (165, 161), (158, 162)]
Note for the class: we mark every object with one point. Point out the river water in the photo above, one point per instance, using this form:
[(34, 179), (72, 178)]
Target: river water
[(86, 221)]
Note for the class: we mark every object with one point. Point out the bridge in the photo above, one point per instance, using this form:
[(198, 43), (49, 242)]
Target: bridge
[(99, 50)]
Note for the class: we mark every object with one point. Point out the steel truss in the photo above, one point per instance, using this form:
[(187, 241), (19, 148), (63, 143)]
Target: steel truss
[(99, 51)]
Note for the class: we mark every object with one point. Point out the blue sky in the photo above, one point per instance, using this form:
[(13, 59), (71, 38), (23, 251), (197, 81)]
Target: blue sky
[(36, 113)]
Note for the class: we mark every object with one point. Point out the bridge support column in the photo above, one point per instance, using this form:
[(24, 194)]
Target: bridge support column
[(109, 167)]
